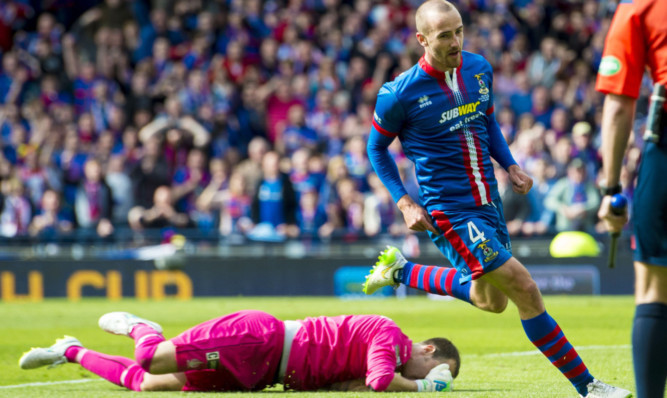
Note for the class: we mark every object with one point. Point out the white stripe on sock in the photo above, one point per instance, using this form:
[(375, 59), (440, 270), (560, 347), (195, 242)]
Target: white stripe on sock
[(80, 354)]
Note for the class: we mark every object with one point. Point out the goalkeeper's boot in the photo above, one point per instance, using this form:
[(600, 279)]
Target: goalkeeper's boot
[(51, 356), (598, 389), (122, 323), (382, 273)]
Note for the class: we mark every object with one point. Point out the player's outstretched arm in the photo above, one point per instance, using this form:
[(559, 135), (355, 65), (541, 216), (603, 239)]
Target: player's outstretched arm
[(383, 164), (498, 147), (388, 120)]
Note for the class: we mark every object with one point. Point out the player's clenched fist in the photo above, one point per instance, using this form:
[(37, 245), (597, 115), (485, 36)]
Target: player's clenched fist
[(521, 182), (438, 379)]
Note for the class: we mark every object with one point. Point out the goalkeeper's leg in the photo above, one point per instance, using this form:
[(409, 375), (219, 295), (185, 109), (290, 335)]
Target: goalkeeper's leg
[(124, 372), (151, 351), (121, 371)]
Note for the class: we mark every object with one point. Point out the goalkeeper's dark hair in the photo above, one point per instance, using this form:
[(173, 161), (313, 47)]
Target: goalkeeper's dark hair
[(444, 350)]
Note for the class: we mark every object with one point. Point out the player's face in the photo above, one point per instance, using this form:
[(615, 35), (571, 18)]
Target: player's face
[(420, 363), (443, 39)]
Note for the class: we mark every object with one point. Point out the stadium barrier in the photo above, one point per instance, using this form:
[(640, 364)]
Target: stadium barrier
[(268, 272)]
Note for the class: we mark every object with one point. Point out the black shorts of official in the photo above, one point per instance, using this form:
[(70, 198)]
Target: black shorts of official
[(650, 205)]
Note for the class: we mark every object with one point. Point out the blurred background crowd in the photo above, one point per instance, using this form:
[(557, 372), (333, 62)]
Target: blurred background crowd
[(250, 118)]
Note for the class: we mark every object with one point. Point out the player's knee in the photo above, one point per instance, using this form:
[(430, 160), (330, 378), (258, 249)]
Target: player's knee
[(523, 284), (525, 289), (530, 287)]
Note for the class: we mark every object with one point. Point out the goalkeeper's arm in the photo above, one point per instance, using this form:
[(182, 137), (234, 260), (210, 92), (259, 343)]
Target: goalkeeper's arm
[(398, 383), (438, 379)]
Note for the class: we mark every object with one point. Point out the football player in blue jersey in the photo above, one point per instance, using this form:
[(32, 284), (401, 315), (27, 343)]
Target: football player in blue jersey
[(441, 110)]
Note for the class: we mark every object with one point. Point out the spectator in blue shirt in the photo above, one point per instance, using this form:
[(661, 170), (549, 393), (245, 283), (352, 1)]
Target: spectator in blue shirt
[(275, 202), (51, 220), (296, 133), (574, 199)]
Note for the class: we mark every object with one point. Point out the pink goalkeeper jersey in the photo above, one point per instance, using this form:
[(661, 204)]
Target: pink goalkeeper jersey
[(332, 349)]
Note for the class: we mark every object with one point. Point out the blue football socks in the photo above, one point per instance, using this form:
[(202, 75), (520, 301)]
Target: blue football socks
[(434, 279), (545, 334)]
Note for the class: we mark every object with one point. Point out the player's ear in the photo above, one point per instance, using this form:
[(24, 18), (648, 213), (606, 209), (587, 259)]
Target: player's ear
[(422, 39), (429, 349)]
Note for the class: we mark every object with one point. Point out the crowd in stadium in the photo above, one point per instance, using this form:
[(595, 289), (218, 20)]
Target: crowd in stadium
[(251, 117)]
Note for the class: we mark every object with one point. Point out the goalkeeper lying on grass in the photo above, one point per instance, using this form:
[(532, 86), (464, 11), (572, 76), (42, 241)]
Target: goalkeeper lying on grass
[(251, 350)]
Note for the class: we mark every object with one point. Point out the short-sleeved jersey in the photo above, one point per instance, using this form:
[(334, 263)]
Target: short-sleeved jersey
[(327, 350), (442, 121), (637, 38)]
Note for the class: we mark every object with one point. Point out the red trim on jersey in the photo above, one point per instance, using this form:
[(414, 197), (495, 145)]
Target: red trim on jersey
[(383, 131), (426, 67), (425, 279), (438, 282), (431, 71), (439, 77), (459, 245), (565, 359), (576, 371), (490, 110), (467, 164), (480, 164), (462, 85), (448, 92), (547, 338)]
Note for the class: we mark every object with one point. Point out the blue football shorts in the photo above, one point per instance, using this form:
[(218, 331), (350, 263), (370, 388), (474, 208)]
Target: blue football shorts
[(474, 240), (649, 207)]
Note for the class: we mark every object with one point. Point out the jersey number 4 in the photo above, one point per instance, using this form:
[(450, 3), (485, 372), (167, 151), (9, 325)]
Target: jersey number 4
[(474, 233)]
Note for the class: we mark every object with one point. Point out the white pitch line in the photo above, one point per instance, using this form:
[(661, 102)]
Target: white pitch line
[(50, 383), (496, 355), (537, 352)]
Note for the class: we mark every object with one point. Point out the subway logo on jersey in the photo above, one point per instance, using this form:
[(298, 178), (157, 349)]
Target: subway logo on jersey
[(458, 111)]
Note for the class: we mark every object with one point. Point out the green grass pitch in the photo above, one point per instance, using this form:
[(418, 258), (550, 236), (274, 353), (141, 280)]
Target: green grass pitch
[(497, 359)]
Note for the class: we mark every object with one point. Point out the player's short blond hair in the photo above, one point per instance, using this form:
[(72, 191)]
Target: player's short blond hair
[(427, 8)]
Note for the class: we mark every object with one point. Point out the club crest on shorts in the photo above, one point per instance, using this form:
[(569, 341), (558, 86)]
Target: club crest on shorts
[(488, 252), (213, 359)]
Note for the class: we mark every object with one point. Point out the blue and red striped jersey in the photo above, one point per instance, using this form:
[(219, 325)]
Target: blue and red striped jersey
[(446, 125)]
